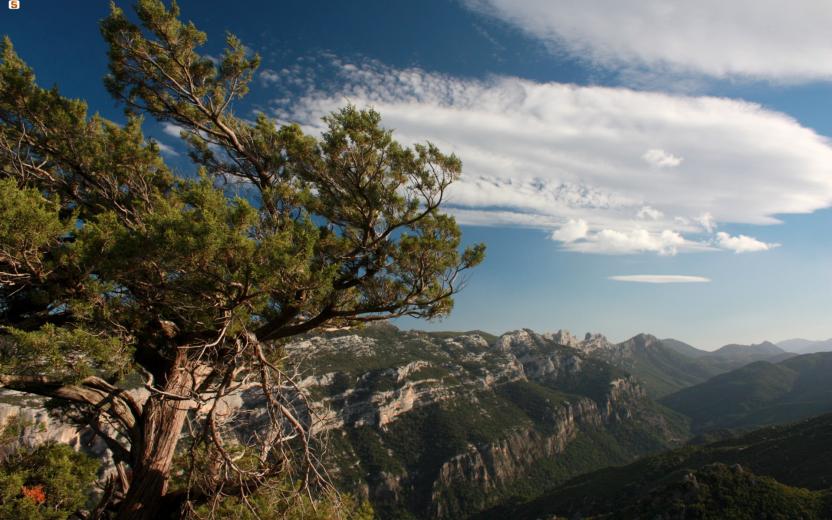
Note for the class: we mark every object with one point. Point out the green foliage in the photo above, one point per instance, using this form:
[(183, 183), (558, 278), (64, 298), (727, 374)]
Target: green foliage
[(536, 401), (51, 482), (68, 354), (29, 225)]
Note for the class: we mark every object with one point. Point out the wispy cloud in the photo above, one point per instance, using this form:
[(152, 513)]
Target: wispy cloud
[(659, 278), (269, 76), (166, 149), (571, 160), (740, 38)]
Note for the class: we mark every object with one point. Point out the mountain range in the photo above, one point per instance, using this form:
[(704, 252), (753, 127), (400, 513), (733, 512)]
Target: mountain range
[(666, 366), (806, 346), (447, 425)]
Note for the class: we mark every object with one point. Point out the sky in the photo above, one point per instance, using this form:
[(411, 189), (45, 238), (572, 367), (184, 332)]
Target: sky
[(632, 165)]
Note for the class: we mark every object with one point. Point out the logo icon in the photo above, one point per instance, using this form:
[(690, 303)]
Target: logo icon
[(14, 4)]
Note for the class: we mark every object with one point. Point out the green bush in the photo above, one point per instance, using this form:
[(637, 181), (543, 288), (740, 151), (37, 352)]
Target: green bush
[(50, 482)]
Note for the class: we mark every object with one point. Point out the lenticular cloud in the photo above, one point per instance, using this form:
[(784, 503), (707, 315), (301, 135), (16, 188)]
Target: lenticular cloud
[(604, 170)]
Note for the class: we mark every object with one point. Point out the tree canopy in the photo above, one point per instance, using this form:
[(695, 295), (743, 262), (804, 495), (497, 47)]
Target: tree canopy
[(111, 264)]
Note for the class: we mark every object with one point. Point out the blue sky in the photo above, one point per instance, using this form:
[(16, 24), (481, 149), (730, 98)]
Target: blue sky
[(599, 139)]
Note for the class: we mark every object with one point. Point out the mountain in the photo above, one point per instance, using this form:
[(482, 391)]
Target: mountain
[(667, 366), (805, 346), (775, 472), (759, 394), (749, 353), (442, 425), (661, 368), (683, 348)]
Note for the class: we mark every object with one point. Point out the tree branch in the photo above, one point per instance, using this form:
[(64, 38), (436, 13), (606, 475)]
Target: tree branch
[(91, 391)]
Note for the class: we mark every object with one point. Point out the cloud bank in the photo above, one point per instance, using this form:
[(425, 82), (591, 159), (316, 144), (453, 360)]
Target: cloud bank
[(659, 278), (748, 38), (603, 170)]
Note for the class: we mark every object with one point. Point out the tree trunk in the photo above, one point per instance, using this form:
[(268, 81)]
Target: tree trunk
[(163, 420)]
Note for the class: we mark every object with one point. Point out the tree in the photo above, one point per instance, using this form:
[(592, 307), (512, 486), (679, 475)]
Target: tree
[(49, 482), (112, 265)]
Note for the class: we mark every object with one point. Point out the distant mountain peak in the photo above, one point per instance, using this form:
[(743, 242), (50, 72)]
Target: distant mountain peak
[(805, 346), (641, 340), (766, 347), (592, 340)]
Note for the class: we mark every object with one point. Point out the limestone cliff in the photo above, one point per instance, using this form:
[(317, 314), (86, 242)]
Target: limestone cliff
[(442, 426)]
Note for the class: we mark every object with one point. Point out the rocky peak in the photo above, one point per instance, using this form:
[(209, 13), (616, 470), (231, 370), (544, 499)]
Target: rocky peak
[(564, 337), (590, 343), (640, 341), (516, 341), (594, 341)]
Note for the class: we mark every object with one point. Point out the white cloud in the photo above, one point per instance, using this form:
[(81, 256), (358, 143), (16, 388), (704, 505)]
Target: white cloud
[(707, 222), (660, 278), (661, 159), (172, 129), (748, 38), (571, 231), (547, 154), (166, 149), (610, 241), (741, 243), (646, 212), (268, 76)]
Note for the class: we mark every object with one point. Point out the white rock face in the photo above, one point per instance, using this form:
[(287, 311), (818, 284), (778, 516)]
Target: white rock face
[(355, 345), (35, 425), (594, 342), (564, 337), (590, 343)]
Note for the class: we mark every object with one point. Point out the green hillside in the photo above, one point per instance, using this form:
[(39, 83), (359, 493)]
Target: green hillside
[(680, 347), (759, 394), (797, 455)]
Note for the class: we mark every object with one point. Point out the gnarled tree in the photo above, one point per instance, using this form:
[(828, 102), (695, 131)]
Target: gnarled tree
[(110, 264)]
